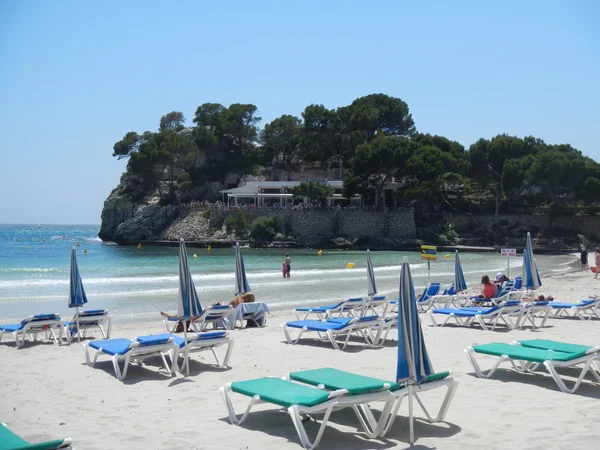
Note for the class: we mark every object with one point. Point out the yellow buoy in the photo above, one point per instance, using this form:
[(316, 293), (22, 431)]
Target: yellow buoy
[(320, 253), (85, 250), (194, 256), (447, 256), (208, 248), (139, 245), (349, 265), (27, 247)]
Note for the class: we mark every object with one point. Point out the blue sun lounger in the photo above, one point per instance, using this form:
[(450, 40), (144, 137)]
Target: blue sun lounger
[(196, 342), (86, 320), (344, 307), (585, 309), (331, 329), (474, 314), (214, 314), (129, 351), (33, 325)]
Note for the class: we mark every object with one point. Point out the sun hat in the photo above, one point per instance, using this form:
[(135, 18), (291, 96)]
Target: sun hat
[(499, 275)]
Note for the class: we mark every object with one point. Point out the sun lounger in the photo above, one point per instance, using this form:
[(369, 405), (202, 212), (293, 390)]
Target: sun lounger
[(214, 315), (33, 325), (129, 351), (197, 342), (377, 301), (331, 329), (479, 315), (387, 323), (429, 296), (336, 380), (344, 308), (9, 440), (532, 311), (86, 320), (300, 400), (585, 309), (525, 357)]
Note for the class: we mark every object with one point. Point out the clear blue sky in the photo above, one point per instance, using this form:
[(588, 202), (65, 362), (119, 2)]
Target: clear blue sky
[(76, 76)]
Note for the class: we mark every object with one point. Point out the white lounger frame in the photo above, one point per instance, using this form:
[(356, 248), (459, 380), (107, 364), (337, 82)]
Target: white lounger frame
[(361, 328), (589, 362), (194, 344), (85, 322), (136, 353), (35, 327), (346, 308), (337, 400)]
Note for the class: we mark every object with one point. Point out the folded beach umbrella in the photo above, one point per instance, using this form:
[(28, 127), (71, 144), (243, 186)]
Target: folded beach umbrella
[(77, 295), (413, 361), (371, 287), (531, 276), (241, 282), (188, 305), (459, 278)]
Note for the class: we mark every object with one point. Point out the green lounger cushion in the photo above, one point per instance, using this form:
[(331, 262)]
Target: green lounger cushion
[(556, 346), (525, 353), (280, 392), (436, 377), (12, 441), (334, 379)]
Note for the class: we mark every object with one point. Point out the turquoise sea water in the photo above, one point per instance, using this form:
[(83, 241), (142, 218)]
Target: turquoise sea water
[(136, 283)]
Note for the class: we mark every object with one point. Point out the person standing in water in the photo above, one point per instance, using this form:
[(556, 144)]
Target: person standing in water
[(584, 259), (288, 266)]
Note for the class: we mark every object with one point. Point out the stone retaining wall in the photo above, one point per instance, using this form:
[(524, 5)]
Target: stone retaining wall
[(311, 226)]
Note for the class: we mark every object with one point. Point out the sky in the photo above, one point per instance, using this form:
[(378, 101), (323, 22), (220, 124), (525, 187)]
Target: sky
[(76, 76)]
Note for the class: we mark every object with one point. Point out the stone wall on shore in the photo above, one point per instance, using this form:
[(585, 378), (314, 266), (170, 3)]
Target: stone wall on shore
[(308, 226)]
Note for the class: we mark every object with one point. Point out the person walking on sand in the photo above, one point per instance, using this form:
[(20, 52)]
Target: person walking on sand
[(584, 259), (288, 266), (597, 258)]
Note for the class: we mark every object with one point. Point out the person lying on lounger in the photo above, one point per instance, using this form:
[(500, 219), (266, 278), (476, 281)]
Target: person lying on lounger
[(244, 298), (539, 298)]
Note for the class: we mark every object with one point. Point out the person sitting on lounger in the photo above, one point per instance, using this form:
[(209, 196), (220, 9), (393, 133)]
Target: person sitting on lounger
[(488, 290)]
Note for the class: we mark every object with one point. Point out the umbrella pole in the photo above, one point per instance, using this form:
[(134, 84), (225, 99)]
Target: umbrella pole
[(77, 324), (185, 353), (410, 415)]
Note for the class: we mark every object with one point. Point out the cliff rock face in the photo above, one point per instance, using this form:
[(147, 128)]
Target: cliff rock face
[(126, 222)]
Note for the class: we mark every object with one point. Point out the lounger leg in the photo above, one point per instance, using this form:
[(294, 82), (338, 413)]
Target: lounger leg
[(334, 342), (451, 386), (480, 373), (551, 367), (230, 343), (288, 337), (373, 428), (297, 420), (225, 394)]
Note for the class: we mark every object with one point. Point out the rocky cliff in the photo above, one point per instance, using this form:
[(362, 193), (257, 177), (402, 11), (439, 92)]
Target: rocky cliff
[(126, 222)]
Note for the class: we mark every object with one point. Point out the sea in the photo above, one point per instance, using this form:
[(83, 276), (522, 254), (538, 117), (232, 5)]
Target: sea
[(136, 282)]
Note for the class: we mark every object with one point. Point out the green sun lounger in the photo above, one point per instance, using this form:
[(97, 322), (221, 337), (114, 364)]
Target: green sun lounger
[(12, 441), (527, 356), (300, 400), (335, 380)]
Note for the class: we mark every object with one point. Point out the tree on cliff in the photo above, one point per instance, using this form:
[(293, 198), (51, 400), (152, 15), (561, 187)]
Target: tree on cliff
[(374, 164), (281, 144), (315, 192)]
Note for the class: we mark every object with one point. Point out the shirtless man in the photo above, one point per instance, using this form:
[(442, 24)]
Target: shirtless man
[(288, 262)]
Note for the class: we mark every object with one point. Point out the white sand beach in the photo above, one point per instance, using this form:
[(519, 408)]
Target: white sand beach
[(48, 392)]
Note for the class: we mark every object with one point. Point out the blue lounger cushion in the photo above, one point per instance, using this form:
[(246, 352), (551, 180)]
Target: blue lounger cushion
[(112, 346), (316, 325), (464, 312), (569, 305), (201, 337), (153, 339), (320, 308), (345, 320), (37, 318), (93, 312)]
